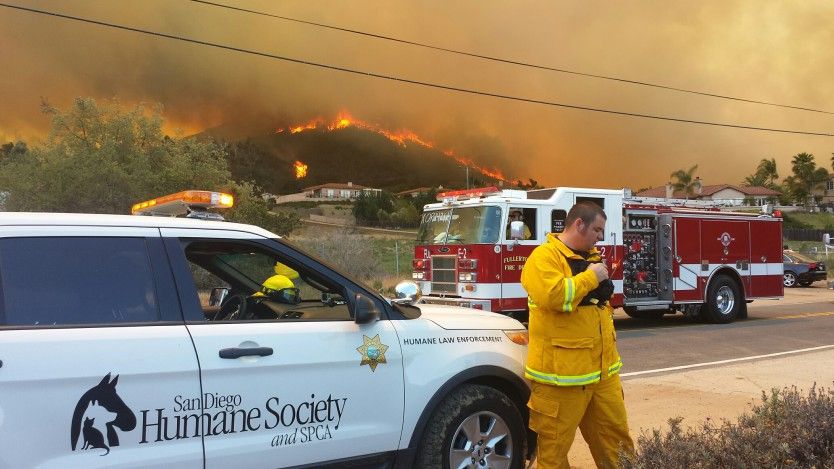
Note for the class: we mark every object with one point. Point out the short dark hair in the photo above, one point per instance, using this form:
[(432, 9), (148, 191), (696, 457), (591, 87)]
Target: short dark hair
[(585, 210)]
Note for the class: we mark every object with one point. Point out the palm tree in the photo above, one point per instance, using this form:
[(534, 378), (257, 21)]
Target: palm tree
[(767, 168), (806, 177), (684, 182)]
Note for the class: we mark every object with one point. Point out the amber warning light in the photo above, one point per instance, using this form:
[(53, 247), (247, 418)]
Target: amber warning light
[(183, 203)]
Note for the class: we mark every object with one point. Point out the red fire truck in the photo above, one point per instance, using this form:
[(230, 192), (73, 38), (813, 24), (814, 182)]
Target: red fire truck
[(665, 256)]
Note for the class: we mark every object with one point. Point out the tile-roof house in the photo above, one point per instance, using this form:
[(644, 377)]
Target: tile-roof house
[(726, 194)]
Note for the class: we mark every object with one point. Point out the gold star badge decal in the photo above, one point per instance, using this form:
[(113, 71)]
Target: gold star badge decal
[(372, 351)]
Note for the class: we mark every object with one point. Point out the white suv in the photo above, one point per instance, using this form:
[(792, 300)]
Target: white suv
[(144, 341)]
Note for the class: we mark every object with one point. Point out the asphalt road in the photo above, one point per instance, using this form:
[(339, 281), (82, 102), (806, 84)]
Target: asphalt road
[(803, 319)]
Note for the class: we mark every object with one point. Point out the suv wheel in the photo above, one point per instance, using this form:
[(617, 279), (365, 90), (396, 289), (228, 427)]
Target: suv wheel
[(476, 427)]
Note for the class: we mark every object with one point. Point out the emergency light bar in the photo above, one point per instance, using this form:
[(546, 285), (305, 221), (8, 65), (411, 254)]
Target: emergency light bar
[(469, 193), (188, 203)]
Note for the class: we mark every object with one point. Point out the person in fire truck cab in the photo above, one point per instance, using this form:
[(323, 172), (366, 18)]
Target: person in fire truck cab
[(518, 215), (572, 358)]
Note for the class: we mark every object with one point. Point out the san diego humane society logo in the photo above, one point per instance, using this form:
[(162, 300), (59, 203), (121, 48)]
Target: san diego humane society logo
[(101, 415), (97, 416)]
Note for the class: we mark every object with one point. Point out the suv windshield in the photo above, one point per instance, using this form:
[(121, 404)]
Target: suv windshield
[(462, 225)]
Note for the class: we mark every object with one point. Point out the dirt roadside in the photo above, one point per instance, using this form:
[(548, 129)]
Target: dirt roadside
[(717, 392)]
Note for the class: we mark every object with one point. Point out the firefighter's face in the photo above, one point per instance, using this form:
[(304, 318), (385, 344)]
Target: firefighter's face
[(592, 233)]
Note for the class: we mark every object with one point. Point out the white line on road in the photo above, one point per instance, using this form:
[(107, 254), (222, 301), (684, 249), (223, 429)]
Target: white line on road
[(721, 362)]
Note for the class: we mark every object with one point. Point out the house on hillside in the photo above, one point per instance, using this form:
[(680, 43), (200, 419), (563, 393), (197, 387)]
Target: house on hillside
[(724, 194), (339, 191)]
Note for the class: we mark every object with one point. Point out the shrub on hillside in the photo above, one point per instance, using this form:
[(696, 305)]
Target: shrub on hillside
[(345, 250), (788, 429)]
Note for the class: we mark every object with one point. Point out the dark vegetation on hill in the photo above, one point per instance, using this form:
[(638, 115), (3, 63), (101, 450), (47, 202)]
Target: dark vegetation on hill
[(359, 156)]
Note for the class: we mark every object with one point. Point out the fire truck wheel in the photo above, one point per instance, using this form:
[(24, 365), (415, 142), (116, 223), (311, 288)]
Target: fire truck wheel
[(475, 426), (724, 300), (650, 314), (789, 279)]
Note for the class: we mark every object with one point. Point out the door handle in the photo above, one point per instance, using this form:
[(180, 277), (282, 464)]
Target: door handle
[(237, 352)]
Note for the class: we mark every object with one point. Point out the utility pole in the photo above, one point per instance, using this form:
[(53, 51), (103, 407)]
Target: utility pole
[(467, 175)]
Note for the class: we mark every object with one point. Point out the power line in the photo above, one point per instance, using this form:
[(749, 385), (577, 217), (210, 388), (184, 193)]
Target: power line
[(510, 61), (413, 82)]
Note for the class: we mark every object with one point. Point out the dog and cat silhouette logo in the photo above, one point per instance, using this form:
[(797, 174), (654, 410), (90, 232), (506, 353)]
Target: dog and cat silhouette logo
[(99, 412)]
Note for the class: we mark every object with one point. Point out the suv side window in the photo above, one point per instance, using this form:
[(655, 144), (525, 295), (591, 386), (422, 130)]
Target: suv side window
[(267, 286), (54, 281)]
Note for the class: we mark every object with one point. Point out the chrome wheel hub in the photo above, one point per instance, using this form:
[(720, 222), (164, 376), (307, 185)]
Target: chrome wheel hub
[(482, 440)]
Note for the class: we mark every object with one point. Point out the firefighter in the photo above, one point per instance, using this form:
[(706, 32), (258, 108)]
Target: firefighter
[(517, 215), (572, 358)]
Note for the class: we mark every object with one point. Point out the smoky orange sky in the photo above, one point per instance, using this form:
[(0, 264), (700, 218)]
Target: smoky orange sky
[(771, 51)]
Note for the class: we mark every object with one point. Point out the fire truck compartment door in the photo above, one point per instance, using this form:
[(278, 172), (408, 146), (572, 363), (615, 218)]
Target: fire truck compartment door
[(726, 243)]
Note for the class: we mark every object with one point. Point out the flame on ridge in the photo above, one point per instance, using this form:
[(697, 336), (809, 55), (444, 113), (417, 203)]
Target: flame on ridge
[(402, 137)]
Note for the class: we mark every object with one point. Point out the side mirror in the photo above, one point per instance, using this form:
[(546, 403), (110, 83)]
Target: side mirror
[(365, 310), (407, 293), (218, 296), (517, 229)]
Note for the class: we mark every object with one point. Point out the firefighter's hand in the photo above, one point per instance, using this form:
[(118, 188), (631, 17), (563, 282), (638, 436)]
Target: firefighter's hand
[(600, 270)]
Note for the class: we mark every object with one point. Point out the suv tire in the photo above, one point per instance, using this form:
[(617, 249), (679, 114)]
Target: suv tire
[(473, 421)]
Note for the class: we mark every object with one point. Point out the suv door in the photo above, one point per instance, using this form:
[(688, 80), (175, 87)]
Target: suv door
[(93, 351), (293, 380)]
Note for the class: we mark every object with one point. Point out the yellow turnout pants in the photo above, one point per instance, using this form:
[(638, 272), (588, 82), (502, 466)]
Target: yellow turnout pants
[(597, 409)]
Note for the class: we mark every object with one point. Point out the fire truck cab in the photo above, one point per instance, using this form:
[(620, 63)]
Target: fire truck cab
[(665, 256)]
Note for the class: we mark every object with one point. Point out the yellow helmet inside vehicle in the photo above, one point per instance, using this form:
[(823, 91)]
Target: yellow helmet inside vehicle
[(280, 288)]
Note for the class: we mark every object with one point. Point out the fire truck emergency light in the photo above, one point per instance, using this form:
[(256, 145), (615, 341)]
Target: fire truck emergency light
[(181, 203), (468, 193)]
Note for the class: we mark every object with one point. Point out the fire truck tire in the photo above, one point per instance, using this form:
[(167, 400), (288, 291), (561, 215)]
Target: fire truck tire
[(474, 421), (645, 314), (724, 300)]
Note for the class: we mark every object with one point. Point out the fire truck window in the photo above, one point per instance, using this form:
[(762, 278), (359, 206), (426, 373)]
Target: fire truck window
[(597, 200), (461, 225), (557, 220), (525, 215)]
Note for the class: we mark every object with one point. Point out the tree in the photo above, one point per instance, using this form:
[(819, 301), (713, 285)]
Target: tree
[(806, 177), (765, 175), (767, 168), (529, 185), (251, 208), (684, 181), (373, 209)]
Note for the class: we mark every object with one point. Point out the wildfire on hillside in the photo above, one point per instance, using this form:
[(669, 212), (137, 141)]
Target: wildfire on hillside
[(300, 169), (402, 137)]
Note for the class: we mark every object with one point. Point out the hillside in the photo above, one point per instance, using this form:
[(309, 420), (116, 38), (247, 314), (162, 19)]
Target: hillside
[(351, 154)]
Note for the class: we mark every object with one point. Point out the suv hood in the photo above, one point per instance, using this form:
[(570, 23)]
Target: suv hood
[(457, 318)]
